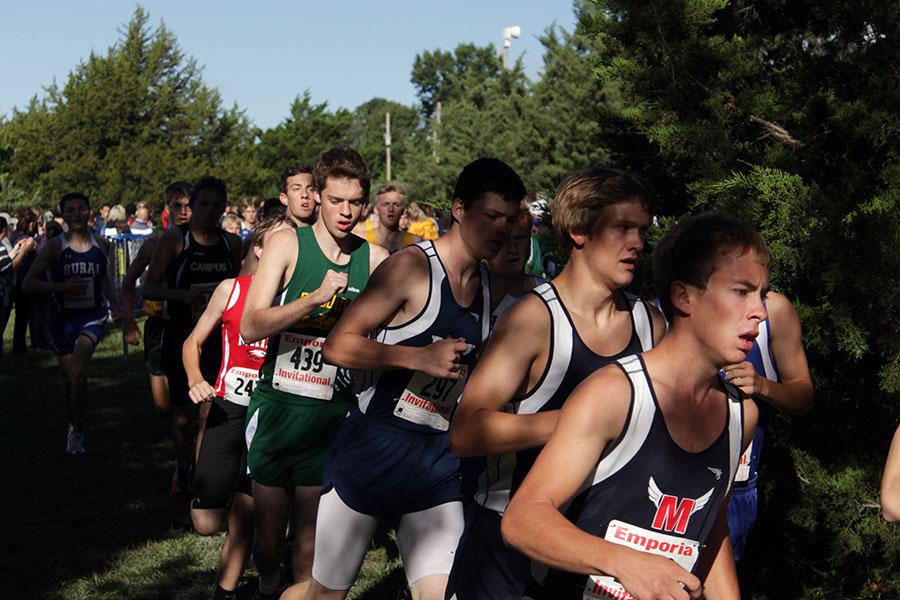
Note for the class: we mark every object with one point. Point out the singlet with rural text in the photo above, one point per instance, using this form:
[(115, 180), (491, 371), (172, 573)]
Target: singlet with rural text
[(649, 494), (293, 371), (240, 360), (569, 362), (198, 267), (88, 268), (413, 401)]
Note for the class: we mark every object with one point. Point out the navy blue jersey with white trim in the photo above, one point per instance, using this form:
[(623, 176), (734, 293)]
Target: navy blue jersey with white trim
[(89, 267), (569, 362), (648, 493), (412, 401)]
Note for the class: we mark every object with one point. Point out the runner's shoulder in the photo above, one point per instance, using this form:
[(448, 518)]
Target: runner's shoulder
[(403, 264)]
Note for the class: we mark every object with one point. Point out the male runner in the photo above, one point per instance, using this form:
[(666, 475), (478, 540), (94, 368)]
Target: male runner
[(390, 201), (177, 197), (775, 374), (429, 307), (509, 281), (187, 264), (78, 283), (304, 282), (298, 194), (630, 490), (220, 475), (545, 345)]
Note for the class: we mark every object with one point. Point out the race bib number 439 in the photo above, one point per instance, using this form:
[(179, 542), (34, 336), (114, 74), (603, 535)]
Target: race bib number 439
[(430, 400), (681, 550), (300, 369)]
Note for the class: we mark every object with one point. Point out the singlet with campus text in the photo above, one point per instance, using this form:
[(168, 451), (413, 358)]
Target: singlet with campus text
[(413, 401), (569, 362), (240, 360), (88, 268), (198, 267), (294, 371), (649, 494)]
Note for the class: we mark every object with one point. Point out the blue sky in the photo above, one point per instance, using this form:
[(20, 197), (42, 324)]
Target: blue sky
[(262, 54)]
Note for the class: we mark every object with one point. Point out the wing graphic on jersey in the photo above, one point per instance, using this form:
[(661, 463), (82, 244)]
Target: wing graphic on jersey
[(702, 500), (654, 492)]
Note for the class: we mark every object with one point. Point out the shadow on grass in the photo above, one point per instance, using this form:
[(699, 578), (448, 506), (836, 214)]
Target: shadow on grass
[(69, 519)]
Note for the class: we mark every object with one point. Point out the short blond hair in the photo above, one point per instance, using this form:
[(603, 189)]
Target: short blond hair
[(583, 194)]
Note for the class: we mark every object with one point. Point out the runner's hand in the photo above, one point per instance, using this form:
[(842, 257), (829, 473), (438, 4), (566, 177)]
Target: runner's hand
[(441, 359), (744, 377), (651, 577), (333, 283), (131, 334), (201, 392)]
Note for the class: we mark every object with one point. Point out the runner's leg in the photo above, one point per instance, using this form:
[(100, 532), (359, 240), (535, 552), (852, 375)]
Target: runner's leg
[(427, 541), (270, 515)]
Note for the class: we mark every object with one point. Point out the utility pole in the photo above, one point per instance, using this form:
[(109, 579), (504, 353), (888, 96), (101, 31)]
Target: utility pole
[(434, 129), (387, 145), (509, 34)]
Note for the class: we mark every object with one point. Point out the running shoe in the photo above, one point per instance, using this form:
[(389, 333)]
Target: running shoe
[(74, 443)]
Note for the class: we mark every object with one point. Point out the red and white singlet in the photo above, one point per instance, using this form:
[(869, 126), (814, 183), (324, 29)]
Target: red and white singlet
[(240, 360)]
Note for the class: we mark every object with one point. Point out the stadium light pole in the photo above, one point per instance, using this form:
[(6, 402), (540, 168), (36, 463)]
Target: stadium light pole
[(509, 34)]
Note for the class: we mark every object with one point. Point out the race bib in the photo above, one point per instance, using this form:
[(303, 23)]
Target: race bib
[(206, 290), (430, 400), (681, 550), (300, 369), (82, 296), (743, 470), (239, 383)]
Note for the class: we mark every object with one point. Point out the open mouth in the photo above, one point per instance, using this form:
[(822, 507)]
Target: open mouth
[(748, 339)]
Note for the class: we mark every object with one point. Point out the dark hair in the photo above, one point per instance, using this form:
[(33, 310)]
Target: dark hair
[(273, 207), (290, 172), (208, 183), (690, 251), (342, 162), (583, 194), (106, 204), (73, 196), (3, 224), (178, 189), (488, 175)]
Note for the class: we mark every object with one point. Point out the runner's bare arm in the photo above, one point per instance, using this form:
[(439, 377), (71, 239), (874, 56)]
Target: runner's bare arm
[(200, 390), (130, 331), (164, 253), (479, 426), (794, 393), (890, 482), (592, 417), (388, 292), (261, 319), (717, 570), (36, 280)]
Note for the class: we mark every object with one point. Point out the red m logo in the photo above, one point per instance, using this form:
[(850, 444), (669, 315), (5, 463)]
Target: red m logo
[(672, 514)]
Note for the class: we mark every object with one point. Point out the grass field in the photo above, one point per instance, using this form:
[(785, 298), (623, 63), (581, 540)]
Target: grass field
[(103, 526)]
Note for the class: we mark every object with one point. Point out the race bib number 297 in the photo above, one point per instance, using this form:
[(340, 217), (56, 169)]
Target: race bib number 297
[(430, 400)]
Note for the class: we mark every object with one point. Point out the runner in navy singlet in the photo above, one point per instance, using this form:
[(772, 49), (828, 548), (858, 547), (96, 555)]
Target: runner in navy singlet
[(72, 269), (628, 497), (550, 341), (775, 374), (427, 308)]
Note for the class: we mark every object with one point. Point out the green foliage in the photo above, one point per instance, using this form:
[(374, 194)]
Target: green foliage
[(441, 76), (784, 114), (128, 122)]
